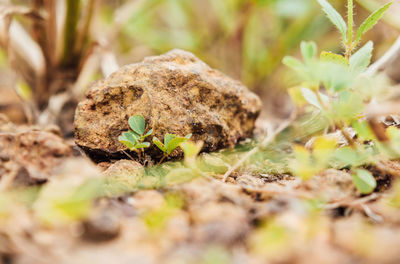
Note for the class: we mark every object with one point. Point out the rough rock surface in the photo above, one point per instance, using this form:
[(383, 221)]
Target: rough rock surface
[(176, 93)]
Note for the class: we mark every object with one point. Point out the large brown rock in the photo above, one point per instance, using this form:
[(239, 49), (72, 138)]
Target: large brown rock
[(176, 93)]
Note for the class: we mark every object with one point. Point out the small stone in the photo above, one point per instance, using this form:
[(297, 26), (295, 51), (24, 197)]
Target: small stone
[(175, 93), (123, 168)]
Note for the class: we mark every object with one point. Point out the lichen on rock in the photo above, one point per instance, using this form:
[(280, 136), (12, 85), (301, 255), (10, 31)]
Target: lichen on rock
[(176, 93)]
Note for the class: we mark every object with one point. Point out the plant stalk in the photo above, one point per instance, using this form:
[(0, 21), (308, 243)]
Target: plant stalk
[(162, 159), (349, 44), (70, 30)]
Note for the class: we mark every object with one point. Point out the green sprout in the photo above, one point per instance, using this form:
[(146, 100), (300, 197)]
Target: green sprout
[(171, 142), (134, 139)]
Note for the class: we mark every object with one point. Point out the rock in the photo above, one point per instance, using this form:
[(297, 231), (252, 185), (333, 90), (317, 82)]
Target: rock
[(123, 168), (124, 175), (176, 93), (102, 226)]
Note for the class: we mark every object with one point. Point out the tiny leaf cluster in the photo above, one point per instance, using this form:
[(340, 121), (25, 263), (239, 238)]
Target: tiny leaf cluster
[(171, 142), (135, 139)]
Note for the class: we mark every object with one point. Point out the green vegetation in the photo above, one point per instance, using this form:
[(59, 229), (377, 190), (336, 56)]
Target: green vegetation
[(134, 139), (171, 142), (331, 86)]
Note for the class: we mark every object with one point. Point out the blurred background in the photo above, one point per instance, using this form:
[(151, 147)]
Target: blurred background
[(51, 50)]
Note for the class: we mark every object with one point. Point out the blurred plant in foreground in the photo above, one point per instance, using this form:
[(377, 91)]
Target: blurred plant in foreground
[(335, 86)]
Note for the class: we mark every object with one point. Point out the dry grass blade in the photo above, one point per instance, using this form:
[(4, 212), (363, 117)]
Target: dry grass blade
[(83, 30), (16, 40), (6, 14), (108, 63), (90, 65), (24, 52)]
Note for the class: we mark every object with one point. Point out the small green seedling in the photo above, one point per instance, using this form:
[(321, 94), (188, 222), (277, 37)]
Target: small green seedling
[(171, 142), (134, 139)]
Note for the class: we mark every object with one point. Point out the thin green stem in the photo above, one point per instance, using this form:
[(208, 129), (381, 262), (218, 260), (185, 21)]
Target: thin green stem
[(349, 44), (350, 7)]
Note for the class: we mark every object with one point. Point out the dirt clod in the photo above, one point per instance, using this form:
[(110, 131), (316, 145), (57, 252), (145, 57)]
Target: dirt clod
[(29, 157)]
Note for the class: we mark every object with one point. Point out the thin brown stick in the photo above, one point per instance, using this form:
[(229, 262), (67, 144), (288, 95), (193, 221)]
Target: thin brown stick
[(162, 159), (126, 153)]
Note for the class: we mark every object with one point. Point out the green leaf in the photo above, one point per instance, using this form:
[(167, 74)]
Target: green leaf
[(142, 145), (188, 135), (137, 123), (348, 106), (296, 96), (128, 139), (296, 65), (308, 50), (132, 137), (159, 144), (363, 130), (126, 142), (293, 63), (360, 60), (334, 58), (168, 137), (311, 97), (371, 21), (174, 143), (334, 17), (364, 181), (334, 76), (148, 133), (302, 165), (323, 150), (347, 156), (190, 149), (393, 133)]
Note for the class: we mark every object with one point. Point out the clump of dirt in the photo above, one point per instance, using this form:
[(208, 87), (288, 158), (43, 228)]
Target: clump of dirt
[(28, 155), (176, 93)]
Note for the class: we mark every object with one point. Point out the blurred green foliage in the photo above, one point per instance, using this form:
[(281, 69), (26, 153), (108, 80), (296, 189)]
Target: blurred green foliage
[(244, 38)]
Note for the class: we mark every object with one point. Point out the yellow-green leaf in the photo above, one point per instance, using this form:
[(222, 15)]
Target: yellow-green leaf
[(334, 58)]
